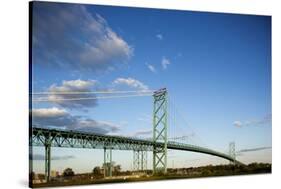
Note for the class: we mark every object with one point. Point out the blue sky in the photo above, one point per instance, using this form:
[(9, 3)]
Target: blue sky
[(216, 67)]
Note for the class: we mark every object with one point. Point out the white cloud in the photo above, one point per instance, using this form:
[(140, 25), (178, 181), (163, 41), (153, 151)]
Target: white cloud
[(144, 132), (69, 36), (159, 36), (60, 118), (77, 84), (72, 86), (179, 54), (131, 82), (41, 157), (267, 119), (49, 112), (237, 123), (165, 62), (146, 118), (90, 125), (151, 67), (52, 117)]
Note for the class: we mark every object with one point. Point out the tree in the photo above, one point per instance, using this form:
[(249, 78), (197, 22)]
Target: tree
[(41, 176), (117, 169), (97, 171), (107, 166), (32, 175), (68, 172)]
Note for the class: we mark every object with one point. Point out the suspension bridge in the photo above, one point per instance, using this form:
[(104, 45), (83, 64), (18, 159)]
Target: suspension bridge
[(158, 144)]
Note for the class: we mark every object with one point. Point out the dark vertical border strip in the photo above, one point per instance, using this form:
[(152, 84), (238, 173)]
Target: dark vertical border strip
[(30, 23), (271, 82)]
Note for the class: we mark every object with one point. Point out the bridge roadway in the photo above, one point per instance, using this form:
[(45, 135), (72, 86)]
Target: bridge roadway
[(79, 139)]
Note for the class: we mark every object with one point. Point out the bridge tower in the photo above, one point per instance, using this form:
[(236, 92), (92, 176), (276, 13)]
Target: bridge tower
[(232, 152), (160, 127)]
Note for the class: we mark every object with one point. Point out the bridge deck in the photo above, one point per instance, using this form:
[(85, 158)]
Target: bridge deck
[(78, 139)]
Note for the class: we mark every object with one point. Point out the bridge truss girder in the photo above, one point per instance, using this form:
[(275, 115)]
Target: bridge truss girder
[(68, 139)]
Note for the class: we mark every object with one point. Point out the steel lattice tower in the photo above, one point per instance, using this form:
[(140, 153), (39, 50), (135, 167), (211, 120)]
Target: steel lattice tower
[(160, 127), (232, 152)]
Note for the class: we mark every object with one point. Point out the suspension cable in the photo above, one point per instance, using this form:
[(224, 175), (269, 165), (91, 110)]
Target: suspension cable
[(88, 98), (176, 111), (91, 92)]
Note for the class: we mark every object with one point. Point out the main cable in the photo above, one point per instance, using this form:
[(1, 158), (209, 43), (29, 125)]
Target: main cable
[(87, 98), (90, 92)]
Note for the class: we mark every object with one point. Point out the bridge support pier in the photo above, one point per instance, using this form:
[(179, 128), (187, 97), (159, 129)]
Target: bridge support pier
[(136, 160), (160, 127), (143, 160), (47, 162), (139, 160), (107, 164)]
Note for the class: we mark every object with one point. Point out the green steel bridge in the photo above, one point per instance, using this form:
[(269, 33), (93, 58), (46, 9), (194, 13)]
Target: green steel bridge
[(158, 145)]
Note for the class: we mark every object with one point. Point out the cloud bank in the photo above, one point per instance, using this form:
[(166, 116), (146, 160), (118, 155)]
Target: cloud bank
[(147, 132), (267, 119), (131, 83), (69, 36), (60, 118), (41, 157), (60, 94)]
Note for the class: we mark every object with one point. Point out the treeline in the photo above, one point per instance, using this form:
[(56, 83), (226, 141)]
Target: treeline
[(221, 170)]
